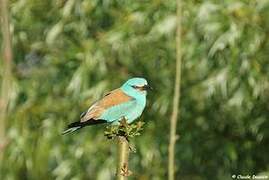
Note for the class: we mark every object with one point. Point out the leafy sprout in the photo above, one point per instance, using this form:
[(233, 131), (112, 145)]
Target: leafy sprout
[(124, 129)]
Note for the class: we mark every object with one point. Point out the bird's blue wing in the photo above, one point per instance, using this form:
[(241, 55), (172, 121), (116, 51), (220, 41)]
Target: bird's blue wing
[(129, 110)]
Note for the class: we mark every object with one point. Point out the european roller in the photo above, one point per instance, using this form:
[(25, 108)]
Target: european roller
[(127, 102)]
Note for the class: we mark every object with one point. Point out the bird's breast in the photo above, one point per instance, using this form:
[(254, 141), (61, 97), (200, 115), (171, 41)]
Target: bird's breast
[(136, 111)]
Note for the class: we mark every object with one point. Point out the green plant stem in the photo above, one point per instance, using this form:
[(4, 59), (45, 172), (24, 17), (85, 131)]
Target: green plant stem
[(123, 156), (176, 98), (6, 73)]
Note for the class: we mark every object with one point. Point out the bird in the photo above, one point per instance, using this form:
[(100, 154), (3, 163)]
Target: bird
[(126, 102)]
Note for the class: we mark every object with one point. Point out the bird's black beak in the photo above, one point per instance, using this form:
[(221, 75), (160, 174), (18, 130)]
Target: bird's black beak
[(147, 87)]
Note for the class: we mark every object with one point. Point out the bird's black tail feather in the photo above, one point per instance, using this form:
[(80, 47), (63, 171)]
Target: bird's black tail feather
[(78, 125)]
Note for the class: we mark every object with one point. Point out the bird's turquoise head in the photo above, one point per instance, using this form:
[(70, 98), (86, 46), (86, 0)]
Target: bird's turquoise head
[(136, 87)]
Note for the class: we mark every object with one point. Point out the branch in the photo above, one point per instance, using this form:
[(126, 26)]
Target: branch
[(122, 133), (123, 156), (176, 99)]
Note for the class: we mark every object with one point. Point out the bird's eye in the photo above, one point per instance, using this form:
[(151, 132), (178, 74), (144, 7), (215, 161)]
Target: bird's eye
[(134, 86)]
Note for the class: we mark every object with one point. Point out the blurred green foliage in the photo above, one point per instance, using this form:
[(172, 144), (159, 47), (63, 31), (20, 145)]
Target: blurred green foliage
[(68, 53)]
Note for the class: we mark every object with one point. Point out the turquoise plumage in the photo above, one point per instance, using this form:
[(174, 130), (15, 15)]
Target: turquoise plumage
[(126, 102), (132, 109)]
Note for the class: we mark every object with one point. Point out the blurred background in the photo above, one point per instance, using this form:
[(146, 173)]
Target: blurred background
[(69, 53)]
